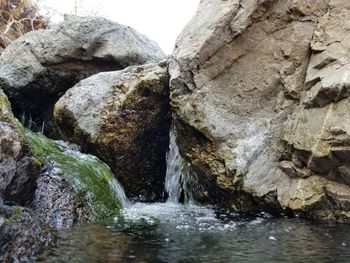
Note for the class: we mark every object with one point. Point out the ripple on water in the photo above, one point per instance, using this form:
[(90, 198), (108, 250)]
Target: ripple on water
[(202, 234)]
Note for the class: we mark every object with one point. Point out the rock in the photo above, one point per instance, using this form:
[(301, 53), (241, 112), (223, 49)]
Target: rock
[(22, 234), (317, 134), (74, 187), (18, 167), (240, 83), (57, 204), (123, 118), (25, 181), (328, 73), (37, 68)]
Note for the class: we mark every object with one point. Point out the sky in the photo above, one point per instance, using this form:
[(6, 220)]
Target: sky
[(160, 20)]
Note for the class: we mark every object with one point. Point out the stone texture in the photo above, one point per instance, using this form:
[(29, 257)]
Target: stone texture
[(240, 85), (22, 234), (18, 167), (123, 118), (37, 68), (56, 203), (318, 133), (328, 77)]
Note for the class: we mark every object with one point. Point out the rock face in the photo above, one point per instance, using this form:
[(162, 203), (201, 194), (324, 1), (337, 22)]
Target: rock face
[(125, 122), (36, 69), (18, 167), (22, 234), (318, 133), (262, 127)]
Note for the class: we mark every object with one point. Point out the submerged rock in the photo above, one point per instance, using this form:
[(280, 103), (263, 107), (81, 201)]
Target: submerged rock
[(19, 168), (239, 72), (22, 234), (123, 118), (37, 68)]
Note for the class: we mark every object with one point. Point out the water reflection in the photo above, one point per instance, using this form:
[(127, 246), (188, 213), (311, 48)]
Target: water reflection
[(195, 234)]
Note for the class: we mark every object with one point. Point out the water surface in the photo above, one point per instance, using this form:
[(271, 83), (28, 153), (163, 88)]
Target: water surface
[(187, 233)]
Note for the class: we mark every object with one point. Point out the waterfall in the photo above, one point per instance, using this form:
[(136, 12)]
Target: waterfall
[(119, 193), (177, 173)]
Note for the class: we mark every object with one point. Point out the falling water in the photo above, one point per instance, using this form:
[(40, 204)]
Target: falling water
[(115, 187), (177, 172)]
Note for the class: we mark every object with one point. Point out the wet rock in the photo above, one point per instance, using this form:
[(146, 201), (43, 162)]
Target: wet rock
[(240, 83), (56, 203), (25, 181), (36, 69), (123, 118), (75, 187), (22, 234), (19, 168)]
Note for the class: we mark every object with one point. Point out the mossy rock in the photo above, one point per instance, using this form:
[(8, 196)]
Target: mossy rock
[(19, 168), (90, 179)]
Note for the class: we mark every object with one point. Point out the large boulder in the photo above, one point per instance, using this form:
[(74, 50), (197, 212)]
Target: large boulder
[(238, 73), (37, 68), (18, 166), (123, 118)]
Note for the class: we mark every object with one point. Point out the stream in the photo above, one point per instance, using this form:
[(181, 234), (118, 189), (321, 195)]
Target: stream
[(186, 232)]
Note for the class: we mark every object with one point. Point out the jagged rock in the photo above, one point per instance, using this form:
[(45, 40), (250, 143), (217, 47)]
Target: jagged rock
[(18, 167), (123, 118), (37, 68), (22, 234), (328, 72), (237, 74), (318, 133)]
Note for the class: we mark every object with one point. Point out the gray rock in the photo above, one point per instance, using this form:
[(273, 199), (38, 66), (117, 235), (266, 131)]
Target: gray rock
[(328, 72), (56, 203), (239, 71), (123, 118), (22, 235), (18, 167), (37, 68), (317, 134)]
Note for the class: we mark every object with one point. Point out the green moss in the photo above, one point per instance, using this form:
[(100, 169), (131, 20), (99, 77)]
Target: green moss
[(6, 113), (5, 108), (89, 178), (16, 213)]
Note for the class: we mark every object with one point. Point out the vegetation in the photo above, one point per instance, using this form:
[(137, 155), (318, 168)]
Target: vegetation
[(16, 18)]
